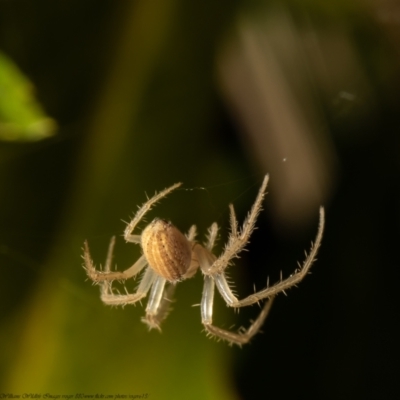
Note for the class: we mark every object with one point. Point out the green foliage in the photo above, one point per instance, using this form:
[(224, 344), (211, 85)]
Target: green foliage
[(22, 117)]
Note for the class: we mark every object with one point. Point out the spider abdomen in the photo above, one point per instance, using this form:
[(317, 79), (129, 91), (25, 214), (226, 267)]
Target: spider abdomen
[(166, 250)]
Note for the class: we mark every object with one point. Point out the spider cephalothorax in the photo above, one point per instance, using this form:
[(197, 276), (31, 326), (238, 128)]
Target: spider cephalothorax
[(170, 256)]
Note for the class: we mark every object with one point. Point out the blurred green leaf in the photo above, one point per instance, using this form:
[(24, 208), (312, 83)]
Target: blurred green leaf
[(22, 117)]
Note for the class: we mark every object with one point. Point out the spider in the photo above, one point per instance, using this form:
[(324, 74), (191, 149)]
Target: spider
[(170, 257)]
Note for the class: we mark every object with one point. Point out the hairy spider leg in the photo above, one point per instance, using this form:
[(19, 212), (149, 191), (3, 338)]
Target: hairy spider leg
[(108, 275), (232, 301), (238, 338), (239, 238), (146, 207)]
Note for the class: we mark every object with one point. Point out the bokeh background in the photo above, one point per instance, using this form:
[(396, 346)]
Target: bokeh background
[(115, 99)]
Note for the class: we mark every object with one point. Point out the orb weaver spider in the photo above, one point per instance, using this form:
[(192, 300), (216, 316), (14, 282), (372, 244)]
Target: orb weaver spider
[(170, 257)]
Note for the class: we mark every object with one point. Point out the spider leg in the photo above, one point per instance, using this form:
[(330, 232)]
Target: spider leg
[(212, 236), (191, 235), (158, 309), (239, 338), (281, 286), (143, 210), (239, 237), (113, 299), (108, 275)]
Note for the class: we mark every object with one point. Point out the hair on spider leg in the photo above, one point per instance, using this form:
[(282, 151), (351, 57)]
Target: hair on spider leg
[(230, 281), (140, 303)]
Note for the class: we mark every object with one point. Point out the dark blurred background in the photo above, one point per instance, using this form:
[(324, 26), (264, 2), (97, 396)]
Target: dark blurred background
[(138, 95)]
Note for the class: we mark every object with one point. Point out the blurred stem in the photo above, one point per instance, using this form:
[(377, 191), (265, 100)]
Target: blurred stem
[(146, 31)]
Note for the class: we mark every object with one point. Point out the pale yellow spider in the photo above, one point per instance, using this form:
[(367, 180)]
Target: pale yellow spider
[(171, 257)]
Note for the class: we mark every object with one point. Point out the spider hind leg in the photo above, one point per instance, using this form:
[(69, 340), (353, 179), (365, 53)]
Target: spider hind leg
[(239, 338)]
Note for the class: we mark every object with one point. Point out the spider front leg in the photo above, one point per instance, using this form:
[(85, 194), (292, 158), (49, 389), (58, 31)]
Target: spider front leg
[(239, 338), (146, 207)]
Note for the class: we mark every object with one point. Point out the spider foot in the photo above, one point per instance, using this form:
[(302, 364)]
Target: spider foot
[(243, 335), (152, 322)]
